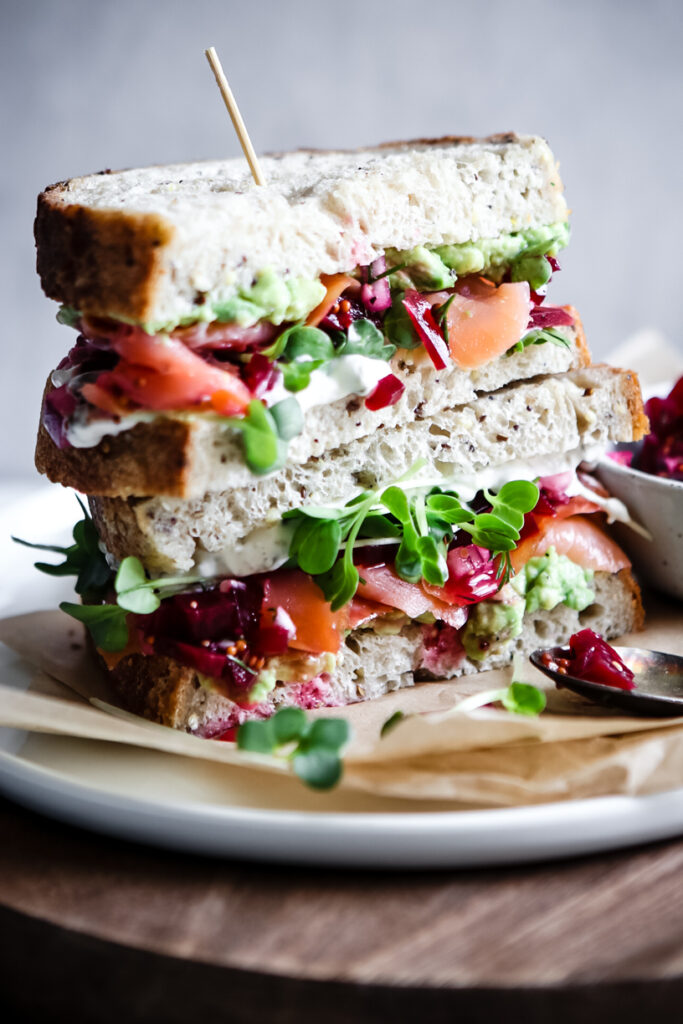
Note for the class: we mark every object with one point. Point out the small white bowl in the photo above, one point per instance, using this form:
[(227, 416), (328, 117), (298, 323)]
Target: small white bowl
[(657, 504)]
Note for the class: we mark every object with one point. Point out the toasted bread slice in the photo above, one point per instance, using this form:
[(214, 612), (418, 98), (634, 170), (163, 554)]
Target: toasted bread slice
[(151, 244), (187, 454)]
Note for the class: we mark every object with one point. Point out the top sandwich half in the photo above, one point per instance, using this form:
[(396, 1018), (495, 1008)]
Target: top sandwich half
[(388, 276)]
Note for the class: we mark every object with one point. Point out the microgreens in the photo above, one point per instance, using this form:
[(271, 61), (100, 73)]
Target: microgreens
[(519, 698), (398, 327), (94, 579), (312, 748), (539, 337), (300, 350), (134, 593), (82, 559), (422, 526), (392, 721), (264, 449), (363, 338)]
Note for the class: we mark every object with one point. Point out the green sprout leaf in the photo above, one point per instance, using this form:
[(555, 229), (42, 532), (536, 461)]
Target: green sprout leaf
[(518, 698), (319, 769), (312, 748), (297, 376), (264, 451), (288, 417), (398, 326), (105, 622), (524, 699), (83, 559), (392, 721), (328, 734), (257, 737), (540, 337), (363, 338), (289, 724), (317, 544)]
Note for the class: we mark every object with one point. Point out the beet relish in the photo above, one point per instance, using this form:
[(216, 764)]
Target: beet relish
[(217, 631), (387, 392), (590, 658)]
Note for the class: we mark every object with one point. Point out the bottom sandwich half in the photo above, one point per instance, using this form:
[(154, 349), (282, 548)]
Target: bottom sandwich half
[(360, 654)]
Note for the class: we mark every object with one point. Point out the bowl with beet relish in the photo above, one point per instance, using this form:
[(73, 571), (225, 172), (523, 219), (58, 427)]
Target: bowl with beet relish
[(648, 477)]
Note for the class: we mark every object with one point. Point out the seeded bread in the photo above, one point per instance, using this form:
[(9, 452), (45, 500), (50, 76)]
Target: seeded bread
[(369, 665), (150, 244), (185, 454), (547, 417)]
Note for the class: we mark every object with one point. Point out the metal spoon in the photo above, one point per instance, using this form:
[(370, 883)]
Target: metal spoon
[(658, 679)]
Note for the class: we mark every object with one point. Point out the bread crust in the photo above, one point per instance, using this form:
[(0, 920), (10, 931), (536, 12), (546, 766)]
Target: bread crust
[(147, 459), (98, 260)]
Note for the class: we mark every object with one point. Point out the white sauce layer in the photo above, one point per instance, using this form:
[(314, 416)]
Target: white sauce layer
[(343, 376), (84, 431)]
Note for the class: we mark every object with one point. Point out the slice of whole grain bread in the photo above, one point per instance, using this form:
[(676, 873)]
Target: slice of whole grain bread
[(187, 454), (151, 244), (368, 666), (525, 421)]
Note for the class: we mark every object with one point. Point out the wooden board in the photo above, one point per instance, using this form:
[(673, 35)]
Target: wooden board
[(98, 930)]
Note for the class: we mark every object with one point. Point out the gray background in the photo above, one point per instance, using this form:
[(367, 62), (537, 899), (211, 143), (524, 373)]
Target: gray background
[(86, 85)]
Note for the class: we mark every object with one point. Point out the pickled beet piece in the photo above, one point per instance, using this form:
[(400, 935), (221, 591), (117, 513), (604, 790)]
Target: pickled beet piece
[(210, 661), (472, 575), (58, 408), (592, 659), (229, 611), (376, 295), (549, 316), (661, 453), (419, 309), (260, 374), (387, 392)]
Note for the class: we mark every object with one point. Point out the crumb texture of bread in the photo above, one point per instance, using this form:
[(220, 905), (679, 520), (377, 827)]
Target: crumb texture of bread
[(529, 421), (148, 244), (369, 666), (187, 454)]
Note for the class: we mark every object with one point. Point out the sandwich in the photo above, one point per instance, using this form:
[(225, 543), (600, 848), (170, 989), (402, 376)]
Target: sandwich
[(333, 436)]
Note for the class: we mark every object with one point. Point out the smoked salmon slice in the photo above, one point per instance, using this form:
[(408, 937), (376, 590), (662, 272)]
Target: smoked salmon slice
[(484, 320), (577, 538)]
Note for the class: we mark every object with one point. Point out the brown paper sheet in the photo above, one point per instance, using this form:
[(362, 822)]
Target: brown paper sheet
[(485, 757)]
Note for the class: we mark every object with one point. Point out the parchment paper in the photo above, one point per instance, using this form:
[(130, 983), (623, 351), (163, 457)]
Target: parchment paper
[(485, 757)]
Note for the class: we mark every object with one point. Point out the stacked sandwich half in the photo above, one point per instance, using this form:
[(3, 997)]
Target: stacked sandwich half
[(329, 429)]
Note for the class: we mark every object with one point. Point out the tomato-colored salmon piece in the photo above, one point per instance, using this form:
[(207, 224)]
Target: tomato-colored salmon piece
[(484, 320), (162, 373), (577, 538), (383, 584), (318, 628)]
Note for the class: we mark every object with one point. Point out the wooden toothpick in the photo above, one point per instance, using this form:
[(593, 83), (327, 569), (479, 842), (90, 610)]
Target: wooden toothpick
[(235, 116)]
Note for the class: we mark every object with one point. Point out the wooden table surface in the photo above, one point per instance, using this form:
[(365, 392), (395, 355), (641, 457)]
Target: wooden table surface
[(94, 929)]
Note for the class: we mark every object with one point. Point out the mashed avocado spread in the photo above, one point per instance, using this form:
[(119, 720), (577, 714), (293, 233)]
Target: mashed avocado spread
[(553, 579), (543, 583), (490, 627), (280, 299), (522, 252)]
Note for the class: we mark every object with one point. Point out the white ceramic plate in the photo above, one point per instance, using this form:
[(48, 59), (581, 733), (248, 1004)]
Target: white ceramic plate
[(215, 809)]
